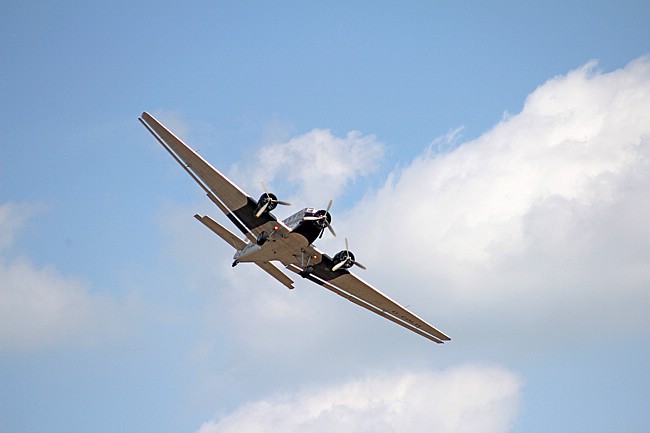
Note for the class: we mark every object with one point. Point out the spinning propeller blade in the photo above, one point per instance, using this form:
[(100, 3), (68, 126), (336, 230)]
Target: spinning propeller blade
[(329, 226), (338, 266), (262, 209), (347, 249)]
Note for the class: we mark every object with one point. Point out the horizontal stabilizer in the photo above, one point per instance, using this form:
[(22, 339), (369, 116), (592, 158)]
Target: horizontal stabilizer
[(225, 234), (276, 273), (237, 243)]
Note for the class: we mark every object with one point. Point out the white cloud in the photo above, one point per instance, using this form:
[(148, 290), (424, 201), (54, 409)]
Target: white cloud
[(317, 165), (537, 228), (40, 307), (463, 399), (12, 219), (534, 234), (540, 224)]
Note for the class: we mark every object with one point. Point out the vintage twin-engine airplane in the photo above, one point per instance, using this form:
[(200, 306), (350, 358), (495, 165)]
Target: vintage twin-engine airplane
[(288, 242)]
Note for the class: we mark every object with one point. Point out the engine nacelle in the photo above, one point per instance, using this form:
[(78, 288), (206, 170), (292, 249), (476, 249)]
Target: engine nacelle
[(343, 260)]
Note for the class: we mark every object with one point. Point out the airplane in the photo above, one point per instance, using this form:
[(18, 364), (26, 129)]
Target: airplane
[(289, 242)]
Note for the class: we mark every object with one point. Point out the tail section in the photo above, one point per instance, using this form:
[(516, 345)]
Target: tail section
[(237, 243)]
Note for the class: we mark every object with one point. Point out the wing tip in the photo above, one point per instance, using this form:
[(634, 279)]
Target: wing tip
[(147, 118), (436, 339)]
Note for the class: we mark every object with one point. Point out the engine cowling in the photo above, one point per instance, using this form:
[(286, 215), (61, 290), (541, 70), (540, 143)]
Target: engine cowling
[(266, 203), (343, 260), (323, 218)]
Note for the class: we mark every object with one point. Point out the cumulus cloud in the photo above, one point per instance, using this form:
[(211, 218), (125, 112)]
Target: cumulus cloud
[(463, 399), (317, 165), (39, 306), (538, 225), (533, 234), (12, 219), (543, 219)]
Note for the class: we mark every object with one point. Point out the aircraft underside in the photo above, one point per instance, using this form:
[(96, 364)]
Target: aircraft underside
[(287, 249)]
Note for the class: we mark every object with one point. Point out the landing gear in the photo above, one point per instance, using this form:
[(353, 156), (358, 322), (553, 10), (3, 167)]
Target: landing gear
[(305, 264), (262, 238), (307, 271)]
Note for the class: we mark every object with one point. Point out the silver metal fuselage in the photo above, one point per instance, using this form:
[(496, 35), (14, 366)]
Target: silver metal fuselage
[(287, 248)]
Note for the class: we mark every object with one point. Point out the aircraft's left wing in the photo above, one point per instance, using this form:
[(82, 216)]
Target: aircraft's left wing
[(235, 203), (354, 289)]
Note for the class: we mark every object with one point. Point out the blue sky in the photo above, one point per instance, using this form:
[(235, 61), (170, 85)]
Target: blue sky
[(488, 162)]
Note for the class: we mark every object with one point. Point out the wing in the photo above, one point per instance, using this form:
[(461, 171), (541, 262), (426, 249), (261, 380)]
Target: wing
[(354, 289), (235, 203)]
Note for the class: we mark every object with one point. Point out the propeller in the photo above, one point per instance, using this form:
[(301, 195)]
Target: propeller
[(348, 259), (322, 219), (270, 201)]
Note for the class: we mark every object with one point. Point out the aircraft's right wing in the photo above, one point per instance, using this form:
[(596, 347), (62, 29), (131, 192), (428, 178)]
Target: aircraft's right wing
[(235, 203), (354, 289)]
